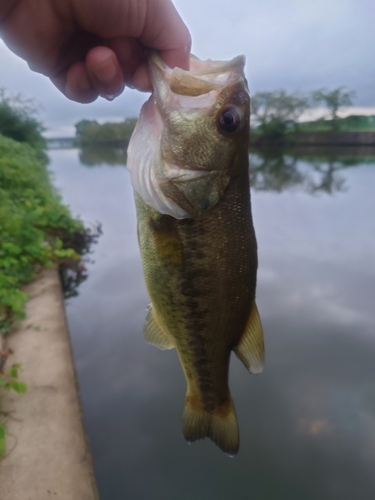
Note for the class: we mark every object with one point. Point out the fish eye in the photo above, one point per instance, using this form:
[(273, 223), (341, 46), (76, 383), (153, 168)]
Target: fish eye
[(229, 120)]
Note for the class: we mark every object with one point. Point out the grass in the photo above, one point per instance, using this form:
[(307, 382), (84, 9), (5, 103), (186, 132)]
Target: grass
[(353, 123), (34, 225)]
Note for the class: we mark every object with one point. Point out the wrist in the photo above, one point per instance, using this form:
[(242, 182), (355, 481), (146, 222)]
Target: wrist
[(5, 7)]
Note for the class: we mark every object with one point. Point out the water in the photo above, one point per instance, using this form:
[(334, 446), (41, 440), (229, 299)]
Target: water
[(307, 423)]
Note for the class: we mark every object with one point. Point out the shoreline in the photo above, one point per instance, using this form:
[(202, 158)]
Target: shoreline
[(328, 139), (48, 451)]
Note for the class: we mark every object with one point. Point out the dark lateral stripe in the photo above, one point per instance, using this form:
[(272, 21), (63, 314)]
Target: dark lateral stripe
[(195, 316)]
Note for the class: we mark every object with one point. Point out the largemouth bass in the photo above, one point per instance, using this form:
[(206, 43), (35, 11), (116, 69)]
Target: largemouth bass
[(189, 164)]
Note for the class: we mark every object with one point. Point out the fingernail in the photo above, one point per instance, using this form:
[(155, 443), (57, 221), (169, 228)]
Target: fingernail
[(67, 91), (108, 97), (83, 82), (106, 70)]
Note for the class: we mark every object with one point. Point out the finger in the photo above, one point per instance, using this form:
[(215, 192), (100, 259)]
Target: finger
[(75, 84), (165, 31), (100, 74), (141, 78), (133, 61), (104, 72), (129, 55)]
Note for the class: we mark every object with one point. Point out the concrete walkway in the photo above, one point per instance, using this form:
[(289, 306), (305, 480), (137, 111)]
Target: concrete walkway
[(48, 454)]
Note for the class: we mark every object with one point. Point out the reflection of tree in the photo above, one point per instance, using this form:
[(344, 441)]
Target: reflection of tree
[(311, 170), (271, 170), (73, 273), (329, 180), (91, 156), (71, 279)]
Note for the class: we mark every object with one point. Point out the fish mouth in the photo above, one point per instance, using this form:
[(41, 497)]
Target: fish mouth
[(175, 169), (202, 78)]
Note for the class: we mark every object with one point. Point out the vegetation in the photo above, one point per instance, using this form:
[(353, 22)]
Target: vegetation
[(9, 382), (18, 122), (35, 226), (334, 100), (91, 133), (37, 230), (276, 112), (352, 123), (276, 115)]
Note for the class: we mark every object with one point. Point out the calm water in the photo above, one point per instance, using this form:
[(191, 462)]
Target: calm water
[(307, 423)]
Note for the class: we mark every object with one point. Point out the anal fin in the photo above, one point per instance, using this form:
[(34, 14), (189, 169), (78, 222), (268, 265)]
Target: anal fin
[(153, 332), (250, 349)]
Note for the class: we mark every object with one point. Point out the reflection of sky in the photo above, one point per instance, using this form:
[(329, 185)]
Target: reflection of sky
[(307, 423)]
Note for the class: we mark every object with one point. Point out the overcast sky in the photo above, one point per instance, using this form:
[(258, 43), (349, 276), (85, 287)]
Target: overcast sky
[(296, 45)]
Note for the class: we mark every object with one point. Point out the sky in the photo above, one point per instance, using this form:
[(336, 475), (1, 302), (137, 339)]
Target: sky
[(296, 45)]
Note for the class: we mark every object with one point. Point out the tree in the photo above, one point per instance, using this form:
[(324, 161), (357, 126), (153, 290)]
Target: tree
[(82, 125), (17, 121), (334, 100), (277, 111), (91, 133)]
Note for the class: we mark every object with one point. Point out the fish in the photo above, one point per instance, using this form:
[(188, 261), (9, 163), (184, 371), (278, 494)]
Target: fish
[(188, 160)]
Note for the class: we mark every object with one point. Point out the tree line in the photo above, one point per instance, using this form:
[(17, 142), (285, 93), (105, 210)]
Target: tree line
[(18, 121), (276, 113), (92, 133)]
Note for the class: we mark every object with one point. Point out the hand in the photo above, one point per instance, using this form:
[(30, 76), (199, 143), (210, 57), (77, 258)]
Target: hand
[(94, 47)]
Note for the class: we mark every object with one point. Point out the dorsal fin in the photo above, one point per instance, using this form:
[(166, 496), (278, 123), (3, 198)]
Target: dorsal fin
[(153, 332), (250, 349)]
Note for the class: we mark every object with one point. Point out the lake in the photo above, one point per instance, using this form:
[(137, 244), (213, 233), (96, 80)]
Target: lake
[(307, 423)]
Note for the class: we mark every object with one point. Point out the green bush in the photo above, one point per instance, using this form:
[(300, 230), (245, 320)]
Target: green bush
[(34, 225), (17, 121)]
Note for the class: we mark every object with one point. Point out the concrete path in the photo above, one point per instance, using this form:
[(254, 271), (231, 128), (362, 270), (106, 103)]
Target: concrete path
[(48, 454)]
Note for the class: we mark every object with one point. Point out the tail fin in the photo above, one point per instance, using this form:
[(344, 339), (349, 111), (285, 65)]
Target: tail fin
[(220, 425)]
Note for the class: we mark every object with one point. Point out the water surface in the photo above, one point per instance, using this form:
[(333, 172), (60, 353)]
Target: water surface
[(307, 424)]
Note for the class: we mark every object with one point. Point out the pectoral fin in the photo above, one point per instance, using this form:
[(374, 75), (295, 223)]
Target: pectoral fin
[(154, 334), (202, 190), (250, 350), (195, 191)]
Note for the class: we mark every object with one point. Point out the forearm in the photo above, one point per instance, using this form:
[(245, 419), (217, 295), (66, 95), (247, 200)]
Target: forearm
[(5, 7)]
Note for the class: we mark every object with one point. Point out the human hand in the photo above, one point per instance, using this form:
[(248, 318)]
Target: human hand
[(94, 47)]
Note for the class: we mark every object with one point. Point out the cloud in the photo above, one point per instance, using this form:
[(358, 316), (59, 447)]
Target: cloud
[(291, 44)]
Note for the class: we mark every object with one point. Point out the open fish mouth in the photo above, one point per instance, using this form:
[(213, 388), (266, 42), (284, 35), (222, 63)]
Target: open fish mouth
[(203, 76)]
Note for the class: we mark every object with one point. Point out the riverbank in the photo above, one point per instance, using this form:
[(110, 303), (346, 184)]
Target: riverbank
[(320, 139), (48, 454)]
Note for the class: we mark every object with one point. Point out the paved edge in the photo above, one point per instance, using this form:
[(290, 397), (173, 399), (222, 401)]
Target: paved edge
[(48, 452)]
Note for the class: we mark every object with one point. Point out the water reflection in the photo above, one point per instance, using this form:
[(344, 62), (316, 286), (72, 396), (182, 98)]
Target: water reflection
[(313, 170), (99, 156), (73, 273), (308, 422)]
